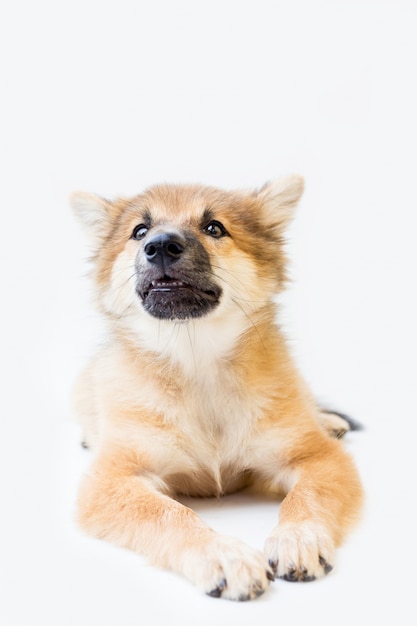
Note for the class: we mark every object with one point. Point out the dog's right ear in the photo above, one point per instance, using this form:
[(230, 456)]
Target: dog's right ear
[(94, 213)]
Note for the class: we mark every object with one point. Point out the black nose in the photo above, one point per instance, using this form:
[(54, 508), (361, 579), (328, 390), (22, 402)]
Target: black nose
[(164, 248)]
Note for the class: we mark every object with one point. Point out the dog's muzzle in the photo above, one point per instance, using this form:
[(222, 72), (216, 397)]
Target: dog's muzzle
[(177, 282)]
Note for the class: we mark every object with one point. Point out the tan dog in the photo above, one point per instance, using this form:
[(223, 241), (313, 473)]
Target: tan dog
[(195, 392)]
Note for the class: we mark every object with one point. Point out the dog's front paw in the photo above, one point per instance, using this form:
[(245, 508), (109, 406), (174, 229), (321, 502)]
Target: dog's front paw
[(300, 552), (228, 568)]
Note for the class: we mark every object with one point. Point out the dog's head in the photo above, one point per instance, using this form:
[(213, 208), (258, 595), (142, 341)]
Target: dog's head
[(188, 252)]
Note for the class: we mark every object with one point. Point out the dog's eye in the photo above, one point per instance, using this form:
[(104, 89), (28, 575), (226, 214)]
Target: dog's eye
[(139, 231), (215, 229)]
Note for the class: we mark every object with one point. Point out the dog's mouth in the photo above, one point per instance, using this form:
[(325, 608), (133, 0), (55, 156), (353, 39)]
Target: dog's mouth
[(171, 298), (167, 284)]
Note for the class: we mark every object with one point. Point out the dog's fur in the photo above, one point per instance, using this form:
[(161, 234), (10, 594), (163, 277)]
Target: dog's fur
[(195, 392)]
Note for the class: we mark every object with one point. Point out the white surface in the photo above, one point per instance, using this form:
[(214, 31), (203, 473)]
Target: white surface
[(113, 96)]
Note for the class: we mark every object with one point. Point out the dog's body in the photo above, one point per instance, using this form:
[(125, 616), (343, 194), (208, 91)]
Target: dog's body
[(195, 392)]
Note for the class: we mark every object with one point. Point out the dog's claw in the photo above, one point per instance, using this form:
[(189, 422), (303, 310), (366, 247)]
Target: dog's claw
[(290, 576), (244, 597), (256, 591), (298, 576), (325, 565), (270, 575), (217, 591), (305, 577)]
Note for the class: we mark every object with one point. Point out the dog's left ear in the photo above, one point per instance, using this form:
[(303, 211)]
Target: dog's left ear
[(279, 199)]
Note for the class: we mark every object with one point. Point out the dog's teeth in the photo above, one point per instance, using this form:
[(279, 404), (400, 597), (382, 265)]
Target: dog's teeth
[(163, 283)]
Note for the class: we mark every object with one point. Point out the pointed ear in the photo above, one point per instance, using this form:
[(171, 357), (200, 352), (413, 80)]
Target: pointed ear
[(279, 199), (94, 214)]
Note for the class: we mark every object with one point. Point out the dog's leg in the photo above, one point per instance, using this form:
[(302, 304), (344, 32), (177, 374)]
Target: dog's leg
[(315, 514), (123, 501)]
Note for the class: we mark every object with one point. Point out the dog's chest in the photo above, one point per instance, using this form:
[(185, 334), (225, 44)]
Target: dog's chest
[(196, 429), (217, 413), (215, 421)]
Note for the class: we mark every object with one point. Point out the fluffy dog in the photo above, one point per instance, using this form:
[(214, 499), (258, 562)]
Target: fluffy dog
[(195, 392)]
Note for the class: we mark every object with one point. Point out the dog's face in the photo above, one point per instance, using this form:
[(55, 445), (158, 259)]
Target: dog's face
[(175, 277), (177, 253)]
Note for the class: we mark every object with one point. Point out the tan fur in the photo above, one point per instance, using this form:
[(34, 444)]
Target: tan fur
[(206, 405)]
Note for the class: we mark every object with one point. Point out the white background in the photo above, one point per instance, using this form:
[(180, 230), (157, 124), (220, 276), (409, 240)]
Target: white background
[(111, 97)]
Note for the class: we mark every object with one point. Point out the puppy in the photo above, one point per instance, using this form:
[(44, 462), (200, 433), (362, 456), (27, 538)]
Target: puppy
[(195, 392)]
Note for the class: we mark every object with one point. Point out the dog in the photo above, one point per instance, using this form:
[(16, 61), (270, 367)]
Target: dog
[(195, 392)]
